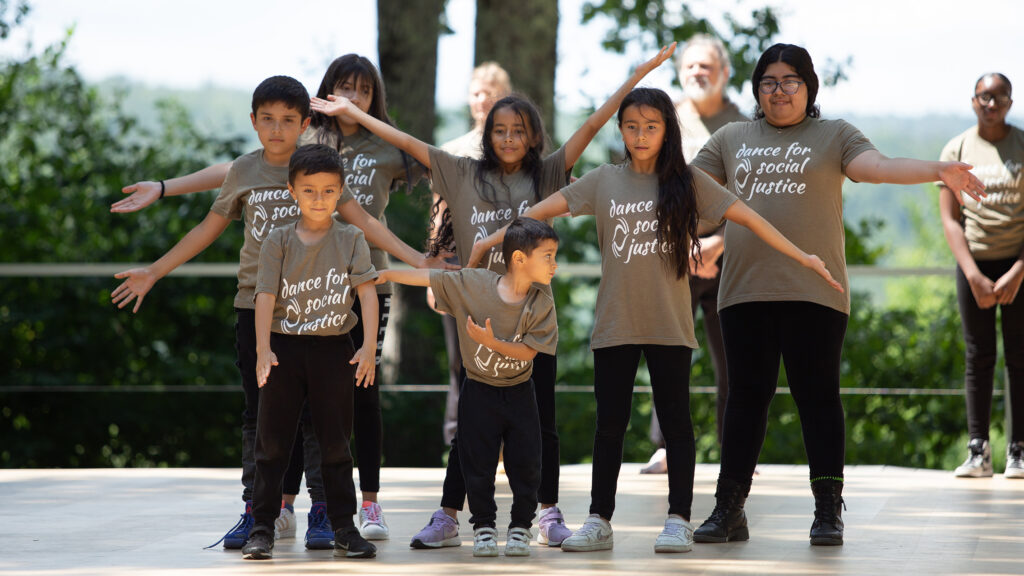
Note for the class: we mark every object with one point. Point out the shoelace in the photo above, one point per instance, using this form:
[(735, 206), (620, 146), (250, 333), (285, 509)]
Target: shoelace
[(319, 519), (373, 517), (245, 522), (589, 528), (672, 529)]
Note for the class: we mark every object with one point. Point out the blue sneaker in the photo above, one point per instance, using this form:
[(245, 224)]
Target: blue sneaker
[(319, 534), (239, 533)]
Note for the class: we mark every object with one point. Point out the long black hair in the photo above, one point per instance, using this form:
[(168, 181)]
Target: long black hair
[(677, 200), (800, 60)]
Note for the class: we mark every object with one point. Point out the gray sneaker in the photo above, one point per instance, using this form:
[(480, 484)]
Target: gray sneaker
[(442, 531), (677, 536), (979, 460), (485, 542), (517, 543), (595, 534), (1014, 460)]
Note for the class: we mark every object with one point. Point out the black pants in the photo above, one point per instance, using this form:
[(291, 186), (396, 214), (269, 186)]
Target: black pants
[(980, 339), (368, 422), (544, 368), (614, 376), (451, 409), (490, 416), (313, 368), (704, 293), (808, 338), (305, 448)]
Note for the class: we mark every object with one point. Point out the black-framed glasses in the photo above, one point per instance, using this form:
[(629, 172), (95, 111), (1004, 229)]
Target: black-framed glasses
[(986, 98), (789, 87)]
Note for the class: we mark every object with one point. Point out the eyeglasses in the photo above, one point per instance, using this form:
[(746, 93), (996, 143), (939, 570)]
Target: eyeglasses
[(986, 98), (789, 87)]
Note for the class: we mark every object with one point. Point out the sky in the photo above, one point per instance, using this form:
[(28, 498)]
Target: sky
[(910, 58)]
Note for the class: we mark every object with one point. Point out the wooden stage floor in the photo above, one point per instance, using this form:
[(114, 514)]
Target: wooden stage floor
[(156, 521)]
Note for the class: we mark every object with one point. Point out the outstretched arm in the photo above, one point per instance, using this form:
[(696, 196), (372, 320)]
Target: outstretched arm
[(380, 235), (341, 106), (874, 167), (485, 335), (140, 280), (366, 357), (420, 277), (554, 205), (578, 142), (146, 192), (982, 287), (741, 214)]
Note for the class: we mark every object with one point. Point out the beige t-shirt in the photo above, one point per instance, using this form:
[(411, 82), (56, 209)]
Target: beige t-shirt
[(478, 213), (639, 300), (994, 227), (793, 177), (373, 168), (256, 193), (473, 292), (696, 130), (315, 285), (467, 145)]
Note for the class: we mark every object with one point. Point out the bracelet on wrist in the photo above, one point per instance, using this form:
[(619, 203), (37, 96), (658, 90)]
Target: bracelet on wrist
[(163, 189)]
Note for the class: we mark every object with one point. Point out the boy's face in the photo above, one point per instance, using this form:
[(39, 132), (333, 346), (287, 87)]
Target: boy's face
[(539, 266), (317, 195), (278, 127)]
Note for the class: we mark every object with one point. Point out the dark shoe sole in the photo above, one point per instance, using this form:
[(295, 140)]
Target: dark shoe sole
[(343, 553), (319, 544), (821, 541), (740, 535), (258, 555)]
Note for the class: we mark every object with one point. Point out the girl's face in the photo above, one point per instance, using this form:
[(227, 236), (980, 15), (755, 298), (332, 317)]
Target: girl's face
[(511, 138), (357, 89), (643, 132), (997, 93), (781, 109)]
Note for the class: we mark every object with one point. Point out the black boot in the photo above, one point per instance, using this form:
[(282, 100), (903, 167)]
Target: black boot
[(827, 529), (727, 522)]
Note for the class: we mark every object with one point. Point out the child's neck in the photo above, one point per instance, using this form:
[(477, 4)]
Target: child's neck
[(643, 166), (277, 160), (347, 129), (513, 288), (312, 231), (511, 168)]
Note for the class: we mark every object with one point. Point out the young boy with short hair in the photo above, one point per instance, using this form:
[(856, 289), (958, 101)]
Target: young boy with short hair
[(309, 273), (497, 404)]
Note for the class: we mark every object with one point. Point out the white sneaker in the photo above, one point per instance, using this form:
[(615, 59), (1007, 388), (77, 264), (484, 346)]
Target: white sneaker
[(284, 524), (485, 542), (658, 464), (517, 543), (979, 461), (676, 537), (371, 522), (595, 534), (1014, 460)]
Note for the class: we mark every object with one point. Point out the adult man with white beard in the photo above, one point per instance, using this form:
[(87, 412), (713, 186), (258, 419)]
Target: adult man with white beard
[(704, 73)]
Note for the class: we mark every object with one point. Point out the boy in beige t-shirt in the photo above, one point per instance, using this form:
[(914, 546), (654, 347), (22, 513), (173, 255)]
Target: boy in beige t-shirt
[(504, 321), (308, 275)]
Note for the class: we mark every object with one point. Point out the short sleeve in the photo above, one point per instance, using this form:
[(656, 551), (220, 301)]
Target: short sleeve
[(268, 278), (554, 176), (542, 332), (712, 199), (448, 172), (710, 158), (227, 204), (441, 285), (581, 195), (360, 269), (854, 143)]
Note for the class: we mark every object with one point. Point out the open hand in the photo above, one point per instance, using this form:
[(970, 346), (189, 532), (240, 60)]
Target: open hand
[(366, 359), (958, 178), (135, 287), (264, 362), (440, 261), (664, 54), (480, 334), (332, 106), (142, 194), (818, 265)]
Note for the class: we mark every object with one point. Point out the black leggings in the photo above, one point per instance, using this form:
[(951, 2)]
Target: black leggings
[(808, 338), (544, 368), (614, 376), (980, 339), (367, 419)]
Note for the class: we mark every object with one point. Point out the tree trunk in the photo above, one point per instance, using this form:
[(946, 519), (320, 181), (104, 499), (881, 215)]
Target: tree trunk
[(522, 37)]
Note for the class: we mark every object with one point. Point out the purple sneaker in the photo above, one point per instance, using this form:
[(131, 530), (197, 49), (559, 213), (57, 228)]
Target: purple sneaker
[(552, 527), (441, 531)]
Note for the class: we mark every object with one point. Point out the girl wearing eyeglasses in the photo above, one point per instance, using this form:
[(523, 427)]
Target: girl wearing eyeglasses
[(987, 240), (789, 165)]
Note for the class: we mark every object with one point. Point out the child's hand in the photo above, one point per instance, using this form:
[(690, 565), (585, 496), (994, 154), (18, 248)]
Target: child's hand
[(816, 264), (366, 359), (664, 54), (142, 194), (137, 285), (439, 262), (332, 106), (382, 277), (1007, 286), (480, 334), (264, 362), (983, 289)]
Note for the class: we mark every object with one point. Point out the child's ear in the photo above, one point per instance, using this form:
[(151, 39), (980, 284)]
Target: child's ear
[(292, 192), (519, 257), (305, 124), (252, 117)]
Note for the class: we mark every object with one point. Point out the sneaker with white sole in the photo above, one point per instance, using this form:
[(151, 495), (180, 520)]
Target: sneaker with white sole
[(319, 532), (552, 529), (595, 534), (1014, 460), (677, 536), (284, 525), (442, 531), (485, 542), (517, 542), (979, 460), (349, 543), (371, 522)]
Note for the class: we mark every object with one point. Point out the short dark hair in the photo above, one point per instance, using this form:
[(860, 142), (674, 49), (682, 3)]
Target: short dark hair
[(315, 159), (284, 89), (525, 234), (999, 75), (800, 60)]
